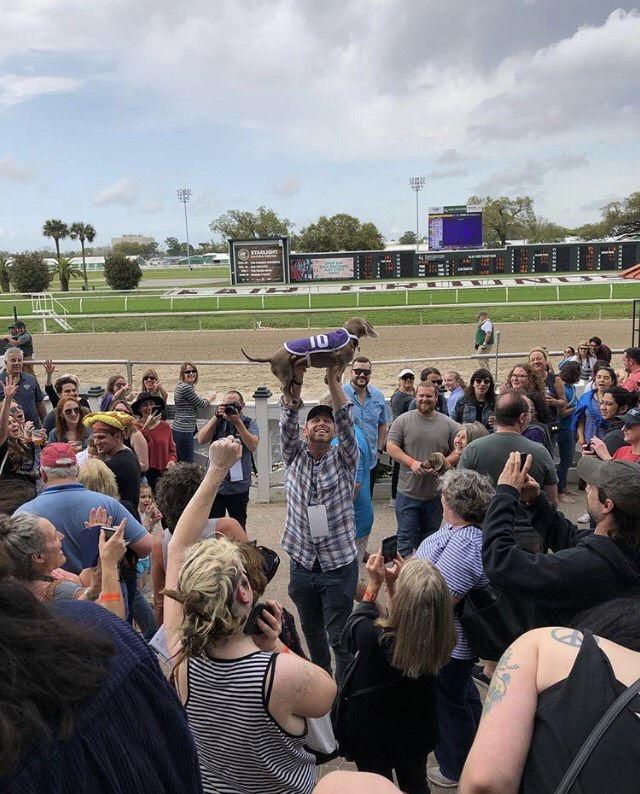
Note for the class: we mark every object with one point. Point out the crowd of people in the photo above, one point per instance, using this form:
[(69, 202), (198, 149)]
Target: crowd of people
[(181, 675)]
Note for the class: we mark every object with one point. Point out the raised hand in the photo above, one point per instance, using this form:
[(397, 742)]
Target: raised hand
[(513, 474), (98, 517), (224, 452), (112, 551)]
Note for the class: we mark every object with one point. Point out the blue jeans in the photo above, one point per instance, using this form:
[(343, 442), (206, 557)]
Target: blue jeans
[(185, 446), (144, 616), (324, 600), (566, 446), (416, 519), (459, 711)]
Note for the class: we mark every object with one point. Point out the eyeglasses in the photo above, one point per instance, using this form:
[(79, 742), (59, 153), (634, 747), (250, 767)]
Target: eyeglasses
[(362, 371), (515, 376), (70, 411), (191, 372), (151, 377), (483, 380)]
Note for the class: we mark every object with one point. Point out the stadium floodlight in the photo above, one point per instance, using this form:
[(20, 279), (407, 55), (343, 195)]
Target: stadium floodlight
[(184, 194), (416, 183)]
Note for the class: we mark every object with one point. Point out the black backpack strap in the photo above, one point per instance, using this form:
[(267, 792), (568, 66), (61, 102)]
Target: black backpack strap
[(603, 724)]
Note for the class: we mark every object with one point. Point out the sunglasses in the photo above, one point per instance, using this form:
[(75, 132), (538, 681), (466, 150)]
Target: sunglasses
[(151, 377), (408, 377), (191, 372), (436, 381), (70, 411), (362, 371), (486, 380)]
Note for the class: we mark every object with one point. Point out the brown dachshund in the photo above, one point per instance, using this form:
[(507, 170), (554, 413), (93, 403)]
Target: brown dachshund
[(321, 351)]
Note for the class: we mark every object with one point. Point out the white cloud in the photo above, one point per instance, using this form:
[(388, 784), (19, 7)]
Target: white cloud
[(287, 188), (151, 205), (17, 88), (123, 191), (447, 173), (529, 174), (14, 172)]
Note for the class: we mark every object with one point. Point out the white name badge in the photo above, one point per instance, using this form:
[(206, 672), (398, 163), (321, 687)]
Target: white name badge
[(235, 472), (318, 523)]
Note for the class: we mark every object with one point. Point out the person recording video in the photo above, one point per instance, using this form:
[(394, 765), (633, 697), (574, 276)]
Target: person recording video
[(228, 420)]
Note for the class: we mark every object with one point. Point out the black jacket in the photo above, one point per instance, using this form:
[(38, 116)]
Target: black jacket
[(584, 570)]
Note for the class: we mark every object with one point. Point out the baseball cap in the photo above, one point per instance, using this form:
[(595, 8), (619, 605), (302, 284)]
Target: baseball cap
[(57, 455), (632, 417), (619, 478), (323, 410), (405, 372)]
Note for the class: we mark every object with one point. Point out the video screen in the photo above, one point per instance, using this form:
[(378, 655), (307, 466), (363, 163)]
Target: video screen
[(455, 227)]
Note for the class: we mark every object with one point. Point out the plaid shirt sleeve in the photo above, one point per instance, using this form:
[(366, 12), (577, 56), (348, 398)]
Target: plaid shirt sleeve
[(289, 433), (348, 446)]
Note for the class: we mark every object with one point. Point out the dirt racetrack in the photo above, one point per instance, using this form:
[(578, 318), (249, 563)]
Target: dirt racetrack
[(424, 343)]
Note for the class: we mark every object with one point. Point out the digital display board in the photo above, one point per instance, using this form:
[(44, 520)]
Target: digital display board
[(320, 268), (259, 261), (457, 226)]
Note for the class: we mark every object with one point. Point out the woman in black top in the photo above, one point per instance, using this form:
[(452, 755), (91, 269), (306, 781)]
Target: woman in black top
[(479, 400), (393, 727), (17, 458), (548, 692)]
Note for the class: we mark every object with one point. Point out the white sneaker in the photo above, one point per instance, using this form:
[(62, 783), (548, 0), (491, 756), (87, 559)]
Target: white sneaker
[(435, 776), (392, 502), (584, 518)]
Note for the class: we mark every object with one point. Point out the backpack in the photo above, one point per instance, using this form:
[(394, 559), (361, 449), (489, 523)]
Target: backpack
[(346, 694)]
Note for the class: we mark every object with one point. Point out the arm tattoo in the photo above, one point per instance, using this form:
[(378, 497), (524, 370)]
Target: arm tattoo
[(500, 681), (571, 637)]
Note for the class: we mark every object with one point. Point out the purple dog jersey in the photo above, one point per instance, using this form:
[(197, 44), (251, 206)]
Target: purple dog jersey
[(322, 343)]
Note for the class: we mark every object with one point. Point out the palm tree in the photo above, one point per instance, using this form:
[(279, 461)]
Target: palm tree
[(82, 232), (65, 271), (5, 271), (58, 230)]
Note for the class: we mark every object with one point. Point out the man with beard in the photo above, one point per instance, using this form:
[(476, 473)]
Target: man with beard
[(413, 437), (370, 411), (319, 531)]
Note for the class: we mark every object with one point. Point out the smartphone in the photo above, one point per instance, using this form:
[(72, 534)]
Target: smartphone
[(109, 532), (250, 626), (389, 549), (523, 460)]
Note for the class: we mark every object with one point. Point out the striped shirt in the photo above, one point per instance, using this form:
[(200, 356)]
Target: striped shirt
[(457, 553), (187, 401), (241, 748), (328, 481)]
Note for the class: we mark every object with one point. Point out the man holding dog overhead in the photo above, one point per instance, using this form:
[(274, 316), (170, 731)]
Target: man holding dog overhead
[(319, 532), (370, 410)]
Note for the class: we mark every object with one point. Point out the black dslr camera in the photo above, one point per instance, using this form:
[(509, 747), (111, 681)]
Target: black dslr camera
[(231, 409)]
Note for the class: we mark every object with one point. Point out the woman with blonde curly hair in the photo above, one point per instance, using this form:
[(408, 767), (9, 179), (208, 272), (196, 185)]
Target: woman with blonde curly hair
[(246, 695)]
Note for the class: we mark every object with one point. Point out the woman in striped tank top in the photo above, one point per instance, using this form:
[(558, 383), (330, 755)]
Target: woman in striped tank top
[(246, 698)]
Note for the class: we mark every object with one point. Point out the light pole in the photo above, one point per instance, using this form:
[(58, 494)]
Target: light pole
[(417, 183), (184, 194)]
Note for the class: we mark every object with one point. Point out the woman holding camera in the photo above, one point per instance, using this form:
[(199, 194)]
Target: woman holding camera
[(246, 697), (393, 726)]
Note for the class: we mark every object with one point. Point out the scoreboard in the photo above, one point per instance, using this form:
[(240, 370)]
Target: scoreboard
[(455, 227)]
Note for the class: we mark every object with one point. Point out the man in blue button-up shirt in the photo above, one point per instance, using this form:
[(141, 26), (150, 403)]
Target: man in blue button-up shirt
[(370, 411)]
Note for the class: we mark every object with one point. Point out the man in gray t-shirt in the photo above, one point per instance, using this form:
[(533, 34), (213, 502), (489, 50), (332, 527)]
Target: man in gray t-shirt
[(413, 436), (488, 455)]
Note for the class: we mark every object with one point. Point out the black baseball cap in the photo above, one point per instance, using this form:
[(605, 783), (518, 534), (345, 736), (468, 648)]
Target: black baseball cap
[(318, 410), (631, 417), (620, 479)]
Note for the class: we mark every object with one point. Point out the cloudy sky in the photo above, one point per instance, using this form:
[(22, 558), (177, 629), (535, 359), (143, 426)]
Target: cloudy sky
[(106, 108)]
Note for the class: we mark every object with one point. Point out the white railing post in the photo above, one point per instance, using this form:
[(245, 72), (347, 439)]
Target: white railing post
[(263, 457), (497, 354)]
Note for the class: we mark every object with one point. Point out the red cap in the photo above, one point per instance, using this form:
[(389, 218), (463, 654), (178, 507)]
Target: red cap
[(57, 455)]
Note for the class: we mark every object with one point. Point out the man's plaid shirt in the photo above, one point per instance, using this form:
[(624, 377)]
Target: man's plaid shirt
[(333, 477)]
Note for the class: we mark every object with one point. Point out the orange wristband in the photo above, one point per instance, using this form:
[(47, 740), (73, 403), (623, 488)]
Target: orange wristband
[(370, 596), (110, 597)]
